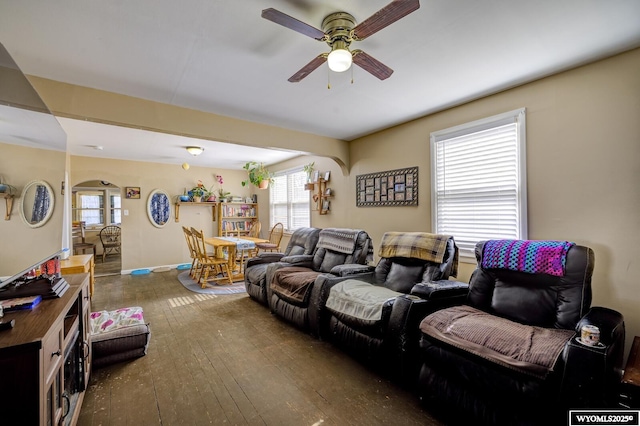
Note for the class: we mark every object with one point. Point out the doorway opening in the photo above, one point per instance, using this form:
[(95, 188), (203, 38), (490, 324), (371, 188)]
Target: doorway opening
[(96, 205)]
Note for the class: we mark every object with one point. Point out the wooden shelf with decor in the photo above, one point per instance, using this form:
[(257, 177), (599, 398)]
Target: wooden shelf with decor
[(190, 203), (322, 196), (236, 218)]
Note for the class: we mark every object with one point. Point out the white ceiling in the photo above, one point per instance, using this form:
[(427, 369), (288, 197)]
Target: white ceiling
[(222, 57)]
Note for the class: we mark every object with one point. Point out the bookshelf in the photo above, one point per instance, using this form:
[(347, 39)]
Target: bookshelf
[(236, 218)]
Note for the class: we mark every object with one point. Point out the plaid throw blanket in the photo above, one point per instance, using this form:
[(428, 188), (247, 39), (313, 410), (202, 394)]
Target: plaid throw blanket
[(344, 241), (418, 245), (533, 257)]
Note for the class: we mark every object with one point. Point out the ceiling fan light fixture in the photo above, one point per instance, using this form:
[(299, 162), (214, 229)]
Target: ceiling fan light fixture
[(195, 150), (339, 60)]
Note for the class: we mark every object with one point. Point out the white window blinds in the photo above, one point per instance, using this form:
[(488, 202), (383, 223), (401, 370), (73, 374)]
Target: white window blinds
[(289, 202), (479, 181)]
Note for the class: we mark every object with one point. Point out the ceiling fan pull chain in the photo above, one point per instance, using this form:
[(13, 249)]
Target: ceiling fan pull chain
[(328, 79), (351, 75)]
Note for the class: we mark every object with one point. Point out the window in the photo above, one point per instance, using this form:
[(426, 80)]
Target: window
[(89, 207), (289, 202), (90, 210), (478, 180), (116, 209)]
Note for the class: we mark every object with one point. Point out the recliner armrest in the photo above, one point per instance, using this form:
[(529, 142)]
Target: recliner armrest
[(592, 374), (304, 260), (268, 257), (351, 269), (440, 289), (610, 323)]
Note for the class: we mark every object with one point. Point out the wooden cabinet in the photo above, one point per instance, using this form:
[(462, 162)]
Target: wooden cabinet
[(45, 360), (236, 218), (78, 264)]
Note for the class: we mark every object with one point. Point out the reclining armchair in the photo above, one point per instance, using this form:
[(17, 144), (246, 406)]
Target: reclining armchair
[(303, 242), (375, 315), (291, 281), (512, 354)]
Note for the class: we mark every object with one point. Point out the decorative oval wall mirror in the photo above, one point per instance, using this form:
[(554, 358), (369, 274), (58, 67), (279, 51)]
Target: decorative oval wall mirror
[(37, 203), (159, 208)]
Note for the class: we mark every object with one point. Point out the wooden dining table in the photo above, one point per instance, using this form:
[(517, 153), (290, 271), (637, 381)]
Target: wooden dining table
[(231, 244)]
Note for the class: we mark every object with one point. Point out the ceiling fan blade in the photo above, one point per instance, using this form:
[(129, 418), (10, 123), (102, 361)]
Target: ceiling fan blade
[(386, 16), (309, 68), (292, 23), (371, 65)]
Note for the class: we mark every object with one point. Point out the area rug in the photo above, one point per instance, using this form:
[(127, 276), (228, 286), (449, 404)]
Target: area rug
[(211, 288)]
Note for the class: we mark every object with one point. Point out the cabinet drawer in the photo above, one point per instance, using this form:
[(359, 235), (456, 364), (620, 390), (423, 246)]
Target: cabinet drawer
[(51, 352)]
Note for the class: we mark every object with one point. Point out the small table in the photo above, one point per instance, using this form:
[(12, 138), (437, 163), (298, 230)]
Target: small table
[(78, 264), (631, 377), (231, 245)]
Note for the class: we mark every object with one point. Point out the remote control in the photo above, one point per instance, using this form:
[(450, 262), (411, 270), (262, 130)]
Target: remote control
[(7, 325)]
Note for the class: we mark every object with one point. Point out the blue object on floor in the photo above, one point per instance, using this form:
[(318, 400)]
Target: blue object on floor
[(140, 271), (183, 266)]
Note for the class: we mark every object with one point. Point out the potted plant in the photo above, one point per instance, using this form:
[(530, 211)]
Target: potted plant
[(197, 192), (258, 175), (308, 169), (222, 195)]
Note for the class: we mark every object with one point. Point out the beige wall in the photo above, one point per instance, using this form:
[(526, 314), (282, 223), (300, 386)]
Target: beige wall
[(144, 245), (20, 245)]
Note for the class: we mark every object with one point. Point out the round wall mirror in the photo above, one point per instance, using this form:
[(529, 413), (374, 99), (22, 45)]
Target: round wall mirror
[(159, 208), (37, 203)]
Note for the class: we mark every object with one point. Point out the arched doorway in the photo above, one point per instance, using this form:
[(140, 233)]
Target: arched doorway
[(97, 203)]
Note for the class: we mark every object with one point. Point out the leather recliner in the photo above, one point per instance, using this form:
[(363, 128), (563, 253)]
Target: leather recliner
[(512, 354), (303, 242), (290, 281), (375, 315)]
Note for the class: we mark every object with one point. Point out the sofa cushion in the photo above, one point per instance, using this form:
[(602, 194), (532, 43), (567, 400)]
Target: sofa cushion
[(118, 335), (359, 299), (293, 283), (528, 349)]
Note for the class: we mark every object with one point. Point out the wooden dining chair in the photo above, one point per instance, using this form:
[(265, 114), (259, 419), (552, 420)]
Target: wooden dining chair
[(78, 239), (208, 263), (254, 232), (193, 253), (275, 236), (110, 239)]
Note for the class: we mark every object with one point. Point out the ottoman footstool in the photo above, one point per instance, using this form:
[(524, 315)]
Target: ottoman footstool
[(118, 335)]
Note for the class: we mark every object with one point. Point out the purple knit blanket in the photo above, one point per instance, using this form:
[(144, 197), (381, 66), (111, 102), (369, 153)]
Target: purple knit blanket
[(534, 257)]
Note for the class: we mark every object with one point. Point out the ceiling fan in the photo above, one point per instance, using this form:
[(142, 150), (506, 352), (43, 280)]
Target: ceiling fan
[(339, 29)]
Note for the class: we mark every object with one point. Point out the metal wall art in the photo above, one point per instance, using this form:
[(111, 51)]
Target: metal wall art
[(390, 188)]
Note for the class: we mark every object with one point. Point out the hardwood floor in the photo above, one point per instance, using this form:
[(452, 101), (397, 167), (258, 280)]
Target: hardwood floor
[(112, 265), (227, 360)]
